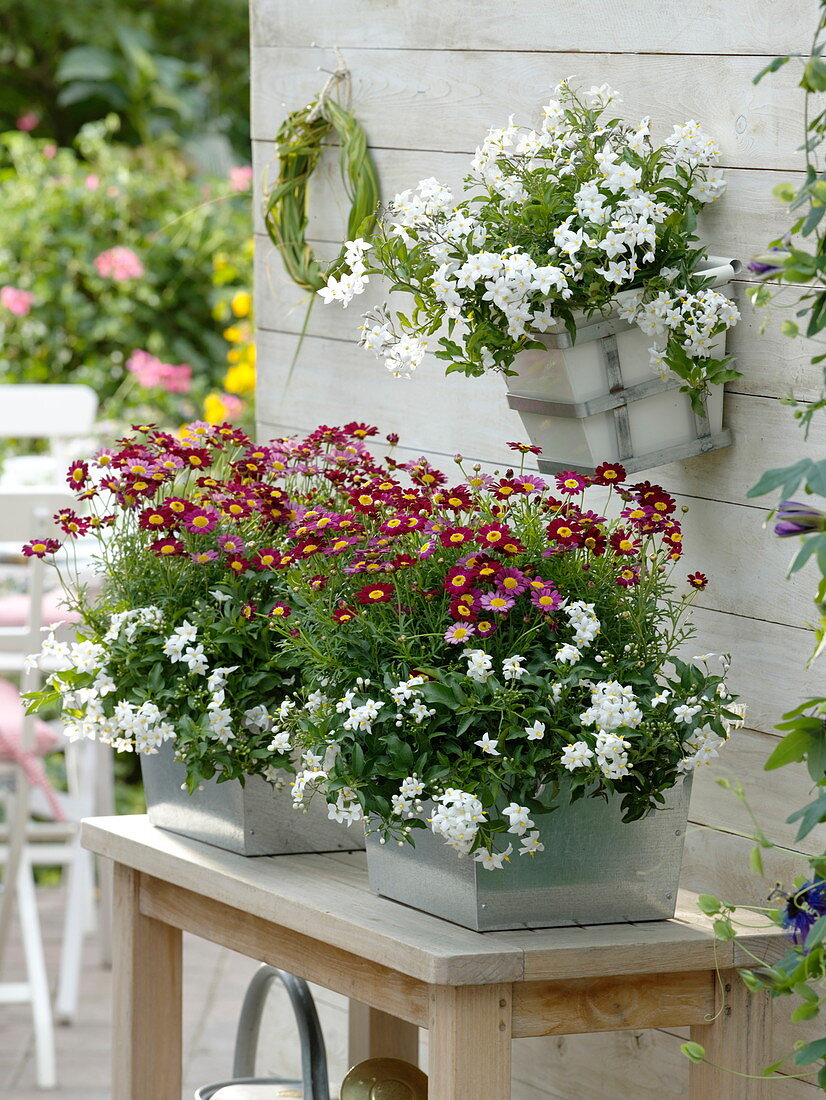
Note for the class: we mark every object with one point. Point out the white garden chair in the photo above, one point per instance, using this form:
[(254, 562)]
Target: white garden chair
[(26, 514), (53, 412)]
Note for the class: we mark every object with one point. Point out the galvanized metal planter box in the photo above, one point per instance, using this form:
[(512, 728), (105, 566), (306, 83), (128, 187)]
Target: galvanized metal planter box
[(596, 400), (253, 820), (594, 870)]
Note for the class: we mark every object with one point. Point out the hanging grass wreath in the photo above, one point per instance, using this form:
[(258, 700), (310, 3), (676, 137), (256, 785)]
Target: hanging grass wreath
[(300, 142)]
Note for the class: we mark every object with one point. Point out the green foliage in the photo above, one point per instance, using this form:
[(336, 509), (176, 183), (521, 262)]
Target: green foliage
[(178, 60), (62, 209), (799, 258)]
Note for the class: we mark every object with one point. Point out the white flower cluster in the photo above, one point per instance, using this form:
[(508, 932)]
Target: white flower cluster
[(408, 801), (408, 691), (363, 716), (346, 808), (695, 319), (705, 744), (350, 283), (612, 706), (585, 623), (519, 824), (181, 646), (479, 665), (125, 624), (457, 816)]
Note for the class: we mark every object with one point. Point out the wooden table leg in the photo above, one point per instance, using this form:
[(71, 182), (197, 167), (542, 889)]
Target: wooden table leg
[(470, 1042), (375, 1034), (146, 1051), (740, 1038)]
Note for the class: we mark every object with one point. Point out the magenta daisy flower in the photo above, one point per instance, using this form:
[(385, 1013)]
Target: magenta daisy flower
[(546, 598), (484, 627), (498, 602), (231, 544), (569, 481), (512, 581), (458, 633), (200, 520), (204, 556)]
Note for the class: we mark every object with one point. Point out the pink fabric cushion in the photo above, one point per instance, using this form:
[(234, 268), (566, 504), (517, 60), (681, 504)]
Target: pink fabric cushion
[(14, 610), (11, 725), (11, 748)]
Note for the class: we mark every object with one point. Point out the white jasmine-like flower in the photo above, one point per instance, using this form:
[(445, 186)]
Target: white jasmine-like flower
[(195, 659), (536, 731), (256, 718), (480, 665), (316, 701), (568, 654), (457, 816), (661, 697), (519, 818), (531, 844), (280, 742), (420, 712), (345, 702), (285, 707), (578, 755), (512, 667), (492, 861), (488, 744), (685, 713)]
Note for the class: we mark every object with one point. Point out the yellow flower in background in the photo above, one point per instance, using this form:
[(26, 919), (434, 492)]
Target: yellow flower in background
[(234, 334), (215, 410), (240, 379), (250, 355), (234, 355), (221, 311), (241, 303)]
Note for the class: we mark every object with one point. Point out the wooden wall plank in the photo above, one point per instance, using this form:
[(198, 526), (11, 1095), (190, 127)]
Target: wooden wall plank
[(446, 100), (740, 224), (772, 796), (443, 414), (669, 26)]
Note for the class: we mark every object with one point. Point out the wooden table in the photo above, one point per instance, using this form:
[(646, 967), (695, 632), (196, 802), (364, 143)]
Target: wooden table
[(316, 917)]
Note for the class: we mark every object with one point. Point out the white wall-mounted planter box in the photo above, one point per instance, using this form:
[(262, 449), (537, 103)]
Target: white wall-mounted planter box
[(595, 869), (253, 820), (595, 400)]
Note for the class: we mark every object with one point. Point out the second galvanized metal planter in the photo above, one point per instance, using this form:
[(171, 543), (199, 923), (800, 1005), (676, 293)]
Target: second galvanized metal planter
[(594, 870), (253, 820), (595, 400)]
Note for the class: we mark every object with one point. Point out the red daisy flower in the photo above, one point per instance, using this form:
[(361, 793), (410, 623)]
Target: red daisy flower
[(266, 559), (38, 548), (464, 609), (248, 611), (281, 611), (629, 577), (459, 580), (344, 614), (593, 539), (78, 474), (609, 473), (359, 431), (493, 534), (318, 582), (569, 481), (455, 536), (200, 520), (697, 580), (564, 531), (155, 519), (525, 448), (507, 487), (238, 565), (167, 548), (375, 593), (196, 457), (623, 543), (71, 522), (457, 499)]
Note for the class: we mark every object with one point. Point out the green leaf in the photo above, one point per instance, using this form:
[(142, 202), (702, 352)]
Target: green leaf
[(809, 815), (772, 67), (709, 904), (789, 477), (792, 748), (815, 934), (86, 63), (810, 1052), (756, 861), (693, 1051)]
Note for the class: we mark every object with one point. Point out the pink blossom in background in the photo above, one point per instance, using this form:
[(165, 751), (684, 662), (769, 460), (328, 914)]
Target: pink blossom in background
[(119, 263), (151, 372), (50, 151), (92, 182), (240, 179), (234, 405), (28, 121), (18, 302)]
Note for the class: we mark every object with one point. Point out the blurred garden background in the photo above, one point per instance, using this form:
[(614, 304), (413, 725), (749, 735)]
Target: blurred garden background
[(125, 182)]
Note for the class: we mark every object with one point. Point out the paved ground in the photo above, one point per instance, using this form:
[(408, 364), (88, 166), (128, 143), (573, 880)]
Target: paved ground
[(214, 984)]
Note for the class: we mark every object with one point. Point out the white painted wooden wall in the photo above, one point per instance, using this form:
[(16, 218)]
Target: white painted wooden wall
[(428, 78)]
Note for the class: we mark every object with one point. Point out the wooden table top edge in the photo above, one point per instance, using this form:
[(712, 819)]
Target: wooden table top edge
[(421, 946)]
